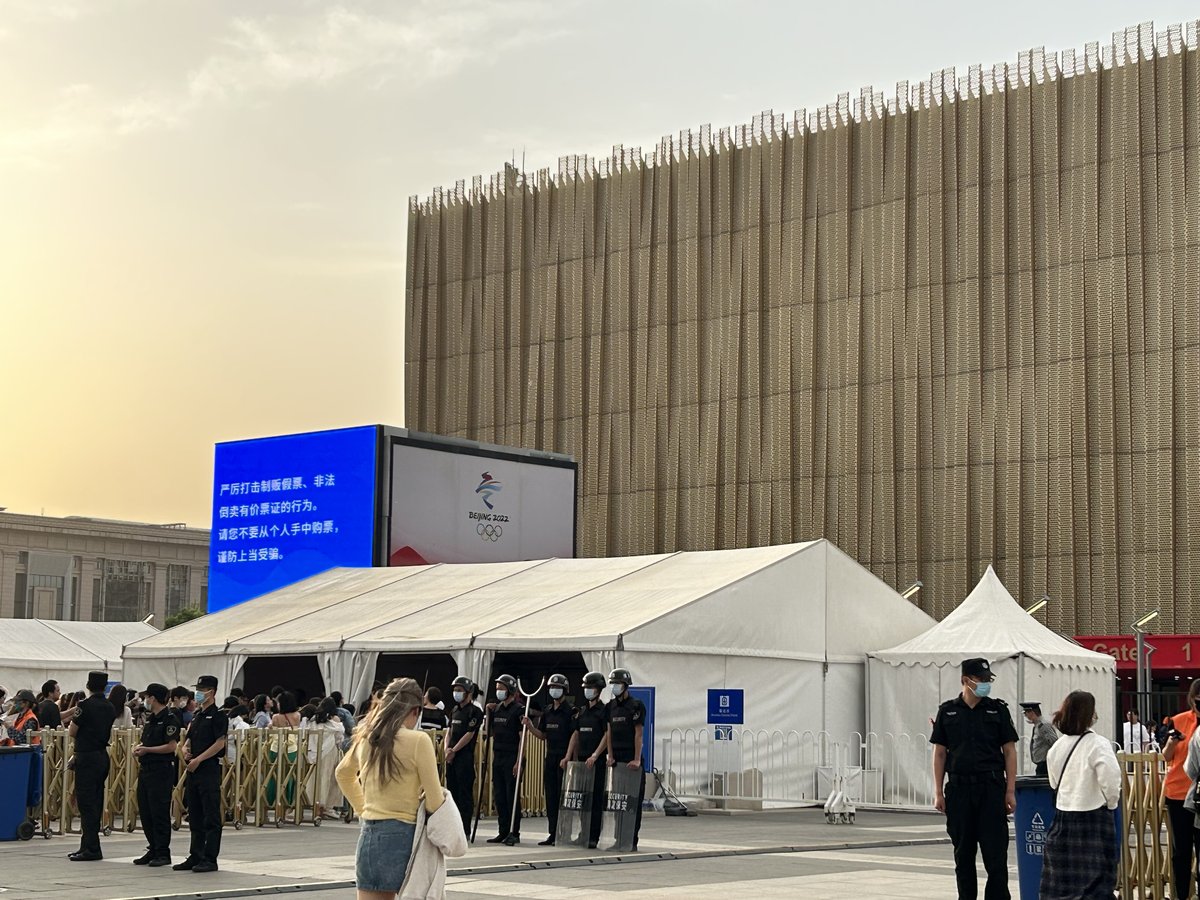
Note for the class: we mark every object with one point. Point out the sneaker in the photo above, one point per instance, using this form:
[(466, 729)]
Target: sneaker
[(548, 842), (498, 839), (145, 859), (204, 866), (186, 866), (159, 861)]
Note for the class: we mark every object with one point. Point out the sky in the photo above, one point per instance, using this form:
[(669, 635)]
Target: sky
[(203, 205)]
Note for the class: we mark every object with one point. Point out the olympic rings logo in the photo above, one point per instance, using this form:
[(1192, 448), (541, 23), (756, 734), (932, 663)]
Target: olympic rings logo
[(488, 531)]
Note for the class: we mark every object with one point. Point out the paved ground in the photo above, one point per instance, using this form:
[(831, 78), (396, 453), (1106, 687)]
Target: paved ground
[(883, 855)]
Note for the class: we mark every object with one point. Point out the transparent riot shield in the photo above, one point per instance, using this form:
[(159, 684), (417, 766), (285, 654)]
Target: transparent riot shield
[(575, 809), (620, 808)]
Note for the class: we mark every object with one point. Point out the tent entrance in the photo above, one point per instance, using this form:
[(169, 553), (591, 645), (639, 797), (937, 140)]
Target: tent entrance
[(299, 674), (427, 669), (530, 668)]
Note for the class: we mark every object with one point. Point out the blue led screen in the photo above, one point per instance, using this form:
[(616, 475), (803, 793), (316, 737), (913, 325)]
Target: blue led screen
[(288, 507)]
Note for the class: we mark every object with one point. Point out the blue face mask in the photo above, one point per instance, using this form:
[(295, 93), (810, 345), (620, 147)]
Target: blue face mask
[(982, 688), (501, 695), (200, 695), (617, 689)]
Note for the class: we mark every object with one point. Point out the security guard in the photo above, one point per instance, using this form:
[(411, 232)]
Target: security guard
[(203, 751), (465, 719), (555, 730), (589, 740), (504, 725), (156, 778), (91, 728), (1044, 736), (975, 753), (626, 717)]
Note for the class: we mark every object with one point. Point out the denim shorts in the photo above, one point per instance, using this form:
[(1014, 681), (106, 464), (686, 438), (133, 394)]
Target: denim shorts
[(381, 859)]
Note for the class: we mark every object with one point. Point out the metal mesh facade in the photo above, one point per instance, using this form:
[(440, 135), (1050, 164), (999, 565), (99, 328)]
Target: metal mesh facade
[(957, 327)]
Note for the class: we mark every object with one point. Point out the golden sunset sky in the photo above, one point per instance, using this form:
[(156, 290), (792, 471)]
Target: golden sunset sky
[(203, 204)]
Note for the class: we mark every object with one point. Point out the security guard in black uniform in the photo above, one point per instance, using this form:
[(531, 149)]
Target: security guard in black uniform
[(626, 717), (589, 740), (975, 753), (91, 728), (555, 730), (156, 777), (465, 719), (504, 725), (203, 751)]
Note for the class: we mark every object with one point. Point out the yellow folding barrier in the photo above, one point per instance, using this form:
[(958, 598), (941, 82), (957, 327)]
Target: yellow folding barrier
[(1146, 846)]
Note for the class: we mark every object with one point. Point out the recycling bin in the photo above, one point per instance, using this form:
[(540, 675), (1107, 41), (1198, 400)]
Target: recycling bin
[(15, 766)]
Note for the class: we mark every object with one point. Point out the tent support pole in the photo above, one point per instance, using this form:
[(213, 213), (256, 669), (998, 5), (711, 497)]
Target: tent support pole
[(1021, 698)]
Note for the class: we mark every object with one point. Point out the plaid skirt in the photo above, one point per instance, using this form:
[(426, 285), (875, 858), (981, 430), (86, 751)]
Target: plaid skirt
[(1080, 859)]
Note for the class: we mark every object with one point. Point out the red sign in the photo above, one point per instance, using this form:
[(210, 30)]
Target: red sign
[(1171, 651)]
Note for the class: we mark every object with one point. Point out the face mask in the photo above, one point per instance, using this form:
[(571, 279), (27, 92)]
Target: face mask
[(459, 696), (617, 689), (200, 697), (982, 689), (589, 693), (502, 695), (555, 693)]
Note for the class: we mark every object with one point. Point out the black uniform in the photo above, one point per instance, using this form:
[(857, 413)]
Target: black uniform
[(624, 715), (94, 722), (156, 780), (433, 719), (975, 789), (504, 725), (591, 723), (556, 724), (204, 785), (465, 718)]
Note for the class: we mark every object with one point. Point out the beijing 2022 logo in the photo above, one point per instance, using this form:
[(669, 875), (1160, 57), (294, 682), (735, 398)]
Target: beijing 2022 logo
[(488, 524)]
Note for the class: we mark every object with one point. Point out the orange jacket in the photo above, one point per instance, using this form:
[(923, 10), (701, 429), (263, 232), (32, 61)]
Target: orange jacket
[(1176, 784), (19, 726)]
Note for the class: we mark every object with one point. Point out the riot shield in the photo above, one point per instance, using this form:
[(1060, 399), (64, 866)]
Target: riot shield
[(575, 809), (620, 808)]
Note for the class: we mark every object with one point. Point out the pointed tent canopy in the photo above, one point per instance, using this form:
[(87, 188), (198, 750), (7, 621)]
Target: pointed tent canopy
[(990, 623), (34, 650)]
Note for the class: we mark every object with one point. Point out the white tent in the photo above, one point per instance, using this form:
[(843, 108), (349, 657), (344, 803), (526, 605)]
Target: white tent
[(33, 651), (788, 621), (907, 683)]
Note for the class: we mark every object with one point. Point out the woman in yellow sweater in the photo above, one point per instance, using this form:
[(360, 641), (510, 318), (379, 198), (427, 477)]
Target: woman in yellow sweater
[(383, 775)]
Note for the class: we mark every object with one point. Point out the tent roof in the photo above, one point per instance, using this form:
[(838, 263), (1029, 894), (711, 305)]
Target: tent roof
[(70, 645), (990, 623), (787, 596)]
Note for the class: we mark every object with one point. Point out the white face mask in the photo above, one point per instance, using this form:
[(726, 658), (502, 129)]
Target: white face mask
[(459, 696), (617, 689), (556, 693), (590, 693), (501, 696)]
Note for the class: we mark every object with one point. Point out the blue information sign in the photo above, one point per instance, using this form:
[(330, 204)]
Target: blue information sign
[(646, 695), (288, 507), (725, 706)]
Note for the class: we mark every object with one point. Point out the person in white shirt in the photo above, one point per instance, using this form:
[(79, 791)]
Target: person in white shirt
[(1081, 856), (237, 724), (1135, 736)]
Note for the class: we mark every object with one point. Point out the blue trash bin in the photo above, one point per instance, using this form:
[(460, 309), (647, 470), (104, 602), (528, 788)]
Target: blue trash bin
[(15, 766), (1034, 815)]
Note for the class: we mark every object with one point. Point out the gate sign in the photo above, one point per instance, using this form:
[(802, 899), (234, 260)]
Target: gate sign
[(725, 706)]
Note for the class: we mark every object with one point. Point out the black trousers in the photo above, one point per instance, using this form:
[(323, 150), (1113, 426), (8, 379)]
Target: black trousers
[(504, 789), (460, 781), (599, 773), (1185, 845), (622, 759), (976, 820), (155, 783), (552, 779), (204, 812), (91, 771)]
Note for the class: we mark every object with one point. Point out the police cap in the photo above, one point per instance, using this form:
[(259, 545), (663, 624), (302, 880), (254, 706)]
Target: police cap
[(977, 667)]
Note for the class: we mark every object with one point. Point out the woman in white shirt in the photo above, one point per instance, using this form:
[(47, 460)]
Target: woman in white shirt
[(1080, 860)]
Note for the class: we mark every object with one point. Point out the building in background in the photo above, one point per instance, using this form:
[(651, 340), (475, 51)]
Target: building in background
[(953, 328), (97, 570)]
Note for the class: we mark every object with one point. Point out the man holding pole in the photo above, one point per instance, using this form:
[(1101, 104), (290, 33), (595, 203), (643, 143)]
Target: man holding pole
[(504, 726)]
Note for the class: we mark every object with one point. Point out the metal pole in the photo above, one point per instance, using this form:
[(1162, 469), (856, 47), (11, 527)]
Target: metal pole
[(1141, 677)]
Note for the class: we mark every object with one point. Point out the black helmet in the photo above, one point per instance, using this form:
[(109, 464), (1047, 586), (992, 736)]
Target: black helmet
[(621, 675), (463, 682), (594, 680), (558, 681), (508, 681)]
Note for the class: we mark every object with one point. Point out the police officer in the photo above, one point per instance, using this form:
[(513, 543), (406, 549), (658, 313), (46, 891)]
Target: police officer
[(156, 778), (555, 730), (589, 741), (626, 717), (975, 754), (465, 719), (203, 751), (91, 728), (1044, 736), (504, 726)]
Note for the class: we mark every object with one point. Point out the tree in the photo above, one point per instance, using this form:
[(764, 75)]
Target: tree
[(184, 615)]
